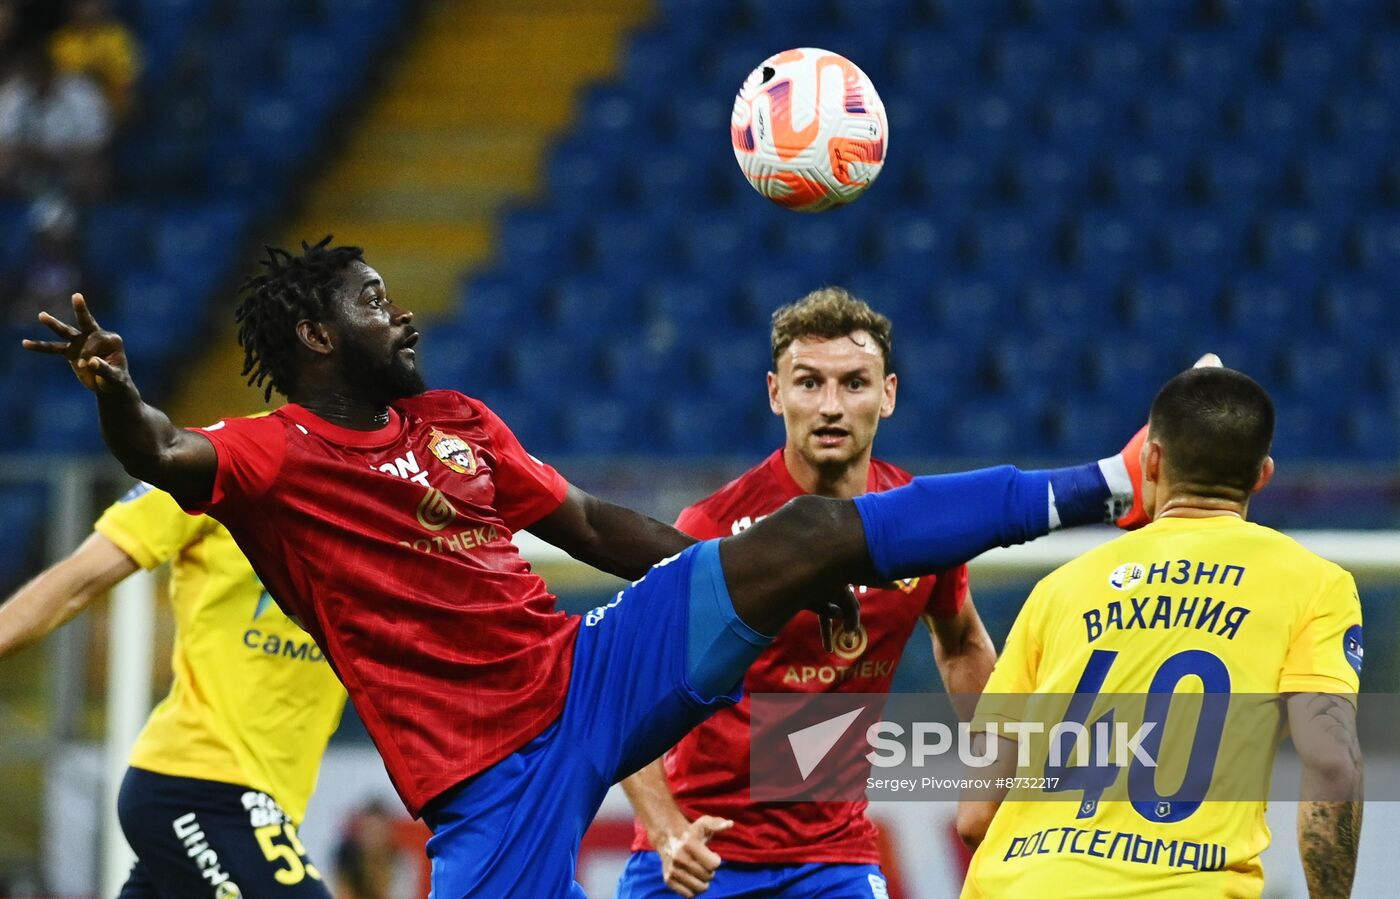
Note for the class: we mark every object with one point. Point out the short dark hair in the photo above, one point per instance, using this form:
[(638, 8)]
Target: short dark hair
[(271, 303), (828, 313), (1215, 426)]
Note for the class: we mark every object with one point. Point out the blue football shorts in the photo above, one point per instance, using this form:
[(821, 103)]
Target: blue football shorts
[(642, 879), (665, 654)]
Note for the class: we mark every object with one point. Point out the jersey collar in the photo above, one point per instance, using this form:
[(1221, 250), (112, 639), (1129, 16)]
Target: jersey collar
[(315, 424)]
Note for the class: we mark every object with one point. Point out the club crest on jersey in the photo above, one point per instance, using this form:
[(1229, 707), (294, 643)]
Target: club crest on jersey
[(435, 512), (1127, 576), (850, 645), (453, 451), (907, 584)]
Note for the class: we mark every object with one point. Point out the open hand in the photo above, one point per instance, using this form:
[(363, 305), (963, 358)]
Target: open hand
[(687, 864), (98, 357)]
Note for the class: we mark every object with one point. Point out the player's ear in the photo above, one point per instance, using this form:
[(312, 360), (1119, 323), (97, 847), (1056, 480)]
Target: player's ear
[(1152, 462), (315, 336), (1266, 474), (891, 388), (775, 400)]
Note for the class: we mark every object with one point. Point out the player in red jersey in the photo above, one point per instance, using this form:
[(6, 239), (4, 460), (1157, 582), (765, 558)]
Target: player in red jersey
[(380, 515), (831, 384)]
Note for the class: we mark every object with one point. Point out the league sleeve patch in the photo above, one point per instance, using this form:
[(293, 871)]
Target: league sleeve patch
[(140, 490), (1351, 647)]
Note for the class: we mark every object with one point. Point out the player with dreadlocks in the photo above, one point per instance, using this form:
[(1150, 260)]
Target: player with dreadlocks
[(380, 515)]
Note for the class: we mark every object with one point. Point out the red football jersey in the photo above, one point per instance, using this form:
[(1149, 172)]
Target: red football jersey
[(708, 770), (393, 549)]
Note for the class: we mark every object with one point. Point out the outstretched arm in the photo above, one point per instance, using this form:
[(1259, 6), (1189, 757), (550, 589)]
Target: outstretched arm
[(1329, 815), (140, 436), (609, 537), (687, 864), (61, 592)]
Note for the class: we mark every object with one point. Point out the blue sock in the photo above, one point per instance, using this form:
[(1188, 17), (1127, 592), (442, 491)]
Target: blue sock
[(936, 522)]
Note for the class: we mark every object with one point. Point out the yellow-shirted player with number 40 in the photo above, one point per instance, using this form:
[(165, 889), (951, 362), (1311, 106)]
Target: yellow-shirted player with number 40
[(1202, 602), (223, 770)]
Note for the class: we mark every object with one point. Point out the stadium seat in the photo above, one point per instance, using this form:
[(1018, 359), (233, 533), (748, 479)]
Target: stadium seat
[(1081, 120), (1211, 63), (1321, 373), (1129, 370), (996, 428), (1170, 304), (1008, 245), (1371, 432), (715, 241), (1299, 245), (1082, 427), (1273, 122), (537, 240), (496, 305), (1117, 62), (992, 122), (710, 426), (532, 417), (1237, 179), (540, 365), (647, 370), (1333, 177), (590, 307), (972, 307), (1177, 122), (1358, 311), (1143, 177), (621, 240), (953, 180), (1378, 244), (1202, 239), (594, 426), (1049, 177), (681, 306), (1363, 124), (735, 368), (1266, 308), (1067, 304), (1109, 242), (1023, 62)]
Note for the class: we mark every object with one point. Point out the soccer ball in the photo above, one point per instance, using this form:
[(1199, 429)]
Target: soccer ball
[(809, 130)]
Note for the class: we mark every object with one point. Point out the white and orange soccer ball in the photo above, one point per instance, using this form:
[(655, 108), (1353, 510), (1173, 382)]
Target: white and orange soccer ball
[(809, 130)]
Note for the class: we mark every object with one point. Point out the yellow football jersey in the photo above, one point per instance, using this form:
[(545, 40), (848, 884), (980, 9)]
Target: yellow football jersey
[(253, 701), (1182, 606)]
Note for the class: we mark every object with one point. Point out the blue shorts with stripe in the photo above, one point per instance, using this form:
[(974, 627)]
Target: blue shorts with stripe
[(642, 879), (665, 654)]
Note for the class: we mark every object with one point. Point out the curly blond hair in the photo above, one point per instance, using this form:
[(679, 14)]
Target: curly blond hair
[(827, 313)]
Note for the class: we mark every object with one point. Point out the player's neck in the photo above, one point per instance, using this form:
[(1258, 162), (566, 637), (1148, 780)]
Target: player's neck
[(844, 481), (345, 411), (1192, 506)]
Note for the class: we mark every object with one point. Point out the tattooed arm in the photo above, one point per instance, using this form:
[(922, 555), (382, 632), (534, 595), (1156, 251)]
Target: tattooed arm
[(1329, 815)]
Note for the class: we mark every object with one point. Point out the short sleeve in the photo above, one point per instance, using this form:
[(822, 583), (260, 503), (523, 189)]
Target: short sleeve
[(1017, 669), (148, 525), (1326, 654), (949, 593), (250, 453), (694, 521), (526, 488)]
